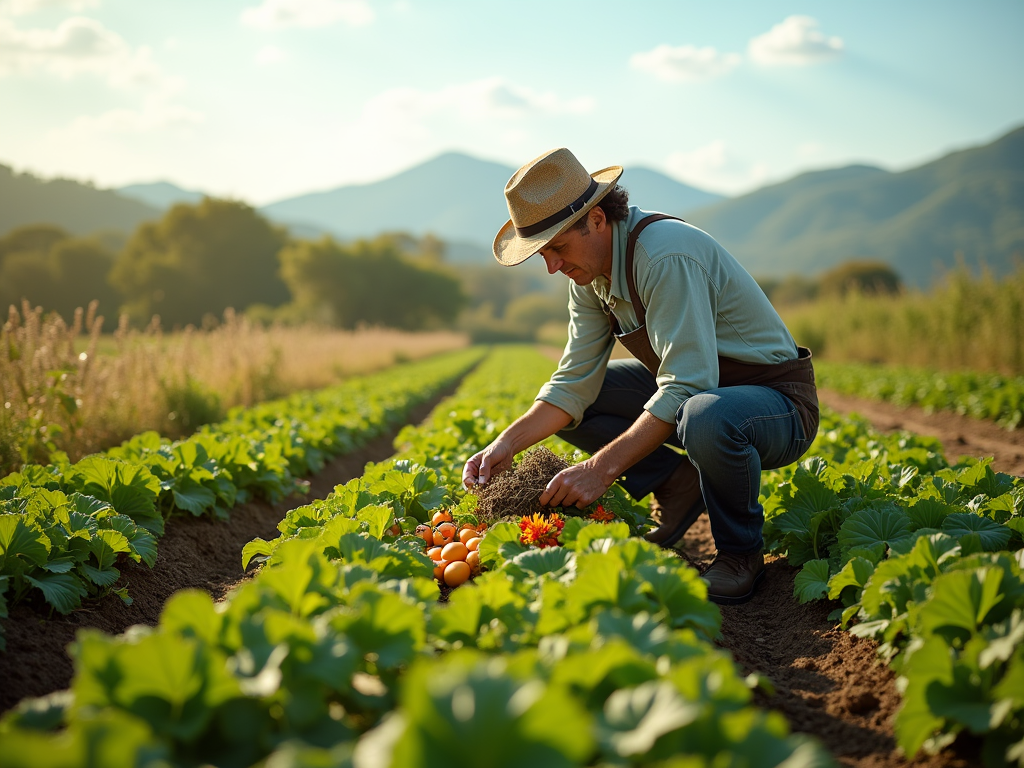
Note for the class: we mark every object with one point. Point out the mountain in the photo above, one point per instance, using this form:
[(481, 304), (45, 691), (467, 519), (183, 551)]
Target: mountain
[(160, 194), (970, 202), (454, 196), (71, 205)]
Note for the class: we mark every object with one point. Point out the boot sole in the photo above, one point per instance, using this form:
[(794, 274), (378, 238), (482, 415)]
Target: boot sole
[(738, 599)]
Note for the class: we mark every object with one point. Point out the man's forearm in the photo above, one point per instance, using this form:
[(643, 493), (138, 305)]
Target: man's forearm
[(539, 423), (646, 434)]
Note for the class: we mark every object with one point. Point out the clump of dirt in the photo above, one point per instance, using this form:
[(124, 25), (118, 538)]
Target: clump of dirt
[(516, 492)]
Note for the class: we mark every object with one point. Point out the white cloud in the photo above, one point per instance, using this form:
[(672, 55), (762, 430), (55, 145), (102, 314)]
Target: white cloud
[(716, 167), (274, 14), (480, 100), (270, 54), (686, 62), (155, 114), (795, 41), (77, 46), (18, 7)]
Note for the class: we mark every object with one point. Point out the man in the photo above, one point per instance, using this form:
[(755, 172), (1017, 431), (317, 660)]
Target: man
[(717, 373)]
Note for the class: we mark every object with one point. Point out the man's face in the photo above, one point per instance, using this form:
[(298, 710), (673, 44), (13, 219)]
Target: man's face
[(580, 256)]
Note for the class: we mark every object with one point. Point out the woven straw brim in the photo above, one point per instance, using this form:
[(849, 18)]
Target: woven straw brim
[(510, 249)]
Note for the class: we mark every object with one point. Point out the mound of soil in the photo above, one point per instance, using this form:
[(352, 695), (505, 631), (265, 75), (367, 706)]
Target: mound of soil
[(516, 492), (198, 553)]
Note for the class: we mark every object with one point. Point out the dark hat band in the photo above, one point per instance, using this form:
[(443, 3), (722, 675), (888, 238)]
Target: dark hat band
[(559, 216)]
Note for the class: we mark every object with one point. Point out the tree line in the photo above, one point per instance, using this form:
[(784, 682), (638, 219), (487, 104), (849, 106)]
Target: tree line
[(199, 260)]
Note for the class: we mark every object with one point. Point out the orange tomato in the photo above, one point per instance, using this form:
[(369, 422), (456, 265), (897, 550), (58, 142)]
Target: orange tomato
[(473, 544), (426, 533), (441, 516), (456, 573), (438, 540), (439, 569), (395, 530), (434, 553), (473, 561), (454, 551), (466, 534)]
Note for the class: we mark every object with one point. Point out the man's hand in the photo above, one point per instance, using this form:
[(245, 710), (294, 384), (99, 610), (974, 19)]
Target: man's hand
[(576, 486), (491, 461)]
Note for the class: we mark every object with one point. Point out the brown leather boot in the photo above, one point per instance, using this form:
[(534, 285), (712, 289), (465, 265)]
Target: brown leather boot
[(731, 579), (679, 502)]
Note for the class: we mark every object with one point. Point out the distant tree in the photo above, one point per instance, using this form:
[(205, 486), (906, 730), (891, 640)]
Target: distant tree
[(860, 276), (369, 282), (46, 267), (198, 260), (528, 313)]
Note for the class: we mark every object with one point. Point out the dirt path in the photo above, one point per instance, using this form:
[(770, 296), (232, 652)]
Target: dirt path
[(196, 553), (828, 684), (960, 435)]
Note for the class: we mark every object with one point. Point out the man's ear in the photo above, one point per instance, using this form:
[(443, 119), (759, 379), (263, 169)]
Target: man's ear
[(597, 218)]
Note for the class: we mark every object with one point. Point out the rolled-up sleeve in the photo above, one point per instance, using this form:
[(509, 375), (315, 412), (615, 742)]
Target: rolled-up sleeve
[(577, 381), (682, 306)]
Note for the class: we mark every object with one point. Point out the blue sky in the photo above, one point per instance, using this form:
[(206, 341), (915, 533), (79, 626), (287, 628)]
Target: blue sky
[(263, 99)]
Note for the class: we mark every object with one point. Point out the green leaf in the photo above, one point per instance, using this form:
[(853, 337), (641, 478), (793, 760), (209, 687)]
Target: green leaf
[(130, 488), (993, 536), (928, 513), (634, 719), (962, 600), (490, 547), (64, 591), (855, 573), (597, 531), (378, 517), (141, 542), (868, 527), (18, 540), (555, 561), (812, 581), (190, 496), (255, 548)]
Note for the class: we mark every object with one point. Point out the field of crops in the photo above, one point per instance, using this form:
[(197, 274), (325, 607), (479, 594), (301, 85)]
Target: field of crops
[(978, 395), (360, 642)]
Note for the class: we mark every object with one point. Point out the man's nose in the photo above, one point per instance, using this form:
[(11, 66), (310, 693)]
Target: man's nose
[(553, 264)]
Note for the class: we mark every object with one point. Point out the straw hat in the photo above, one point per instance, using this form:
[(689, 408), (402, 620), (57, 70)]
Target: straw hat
[(545, 197)]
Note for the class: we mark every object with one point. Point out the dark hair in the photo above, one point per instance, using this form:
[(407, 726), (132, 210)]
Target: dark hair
[(615, 205)]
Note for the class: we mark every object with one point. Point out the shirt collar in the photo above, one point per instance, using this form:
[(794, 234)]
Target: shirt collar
[(612, 291)]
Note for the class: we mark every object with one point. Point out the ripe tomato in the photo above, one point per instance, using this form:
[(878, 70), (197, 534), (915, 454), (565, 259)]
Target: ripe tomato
[(456, 573), (434, 553), (466, 534), (473, 561), (426, 533), (439, 569), (474, 544), (441, 516), (454, 551)]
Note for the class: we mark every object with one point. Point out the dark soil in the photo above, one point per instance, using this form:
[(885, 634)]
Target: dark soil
[(198, 553), (959, 435), (828, 683)]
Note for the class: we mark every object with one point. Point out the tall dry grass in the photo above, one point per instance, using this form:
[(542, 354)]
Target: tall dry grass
[(965, 322), (67, 387)]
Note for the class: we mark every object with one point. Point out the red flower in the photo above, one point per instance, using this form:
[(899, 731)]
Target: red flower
[(541, 531), (602, 515)]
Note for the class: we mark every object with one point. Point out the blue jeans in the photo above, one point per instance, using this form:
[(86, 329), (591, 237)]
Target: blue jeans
[(729, 434)]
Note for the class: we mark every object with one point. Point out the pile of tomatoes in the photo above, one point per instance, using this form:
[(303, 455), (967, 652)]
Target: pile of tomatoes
[(453, 548)]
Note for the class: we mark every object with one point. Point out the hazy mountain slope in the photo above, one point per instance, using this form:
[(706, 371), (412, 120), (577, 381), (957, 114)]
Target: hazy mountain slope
[(73, 206), (160, 194), (456, 197), (969, 202)]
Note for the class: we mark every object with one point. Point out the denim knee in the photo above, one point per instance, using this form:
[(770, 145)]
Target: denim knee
[(704, 425)]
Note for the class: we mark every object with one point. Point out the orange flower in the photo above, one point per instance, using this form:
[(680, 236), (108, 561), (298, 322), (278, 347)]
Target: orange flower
[(541, 531), (602, 515)]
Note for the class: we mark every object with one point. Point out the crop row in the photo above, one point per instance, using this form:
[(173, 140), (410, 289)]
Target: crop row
[(928, 559), (339, 653), (65, 527), (979, 395)]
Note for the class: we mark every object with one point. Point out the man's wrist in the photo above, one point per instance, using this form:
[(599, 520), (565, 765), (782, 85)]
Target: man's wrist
[(606, 466)]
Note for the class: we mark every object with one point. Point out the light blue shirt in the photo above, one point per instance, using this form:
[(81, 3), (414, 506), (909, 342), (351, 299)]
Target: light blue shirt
[(701, 303)]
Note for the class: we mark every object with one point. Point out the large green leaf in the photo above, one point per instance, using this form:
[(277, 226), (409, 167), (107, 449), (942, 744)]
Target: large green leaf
[(869, 527), (190, 496), (490, 547), (856, 573), (130, 488), (634, 719), (962, 600), (556, 561), (20, 542), (64, 591), (812, 581), (992, 535), (383, 624)]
